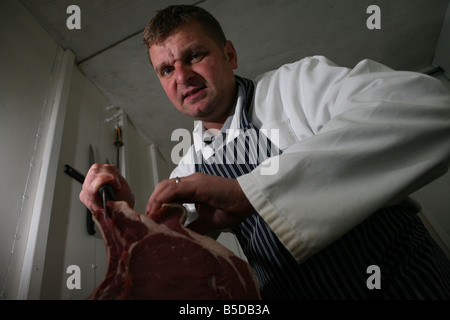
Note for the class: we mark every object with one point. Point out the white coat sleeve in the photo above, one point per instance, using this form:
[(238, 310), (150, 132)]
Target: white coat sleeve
[(366, 138)]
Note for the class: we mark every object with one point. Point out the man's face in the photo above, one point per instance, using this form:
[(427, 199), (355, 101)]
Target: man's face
[(196, 74)]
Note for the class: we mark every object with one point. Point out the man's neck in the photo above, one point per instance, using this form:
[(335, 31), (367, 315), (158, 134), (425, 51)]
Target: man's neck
[(214, 125), (217, 125)]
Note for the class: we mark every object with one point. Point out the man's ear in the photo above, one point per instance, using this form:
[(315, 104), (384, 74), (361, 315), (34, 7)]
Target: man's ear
[(231, 54)]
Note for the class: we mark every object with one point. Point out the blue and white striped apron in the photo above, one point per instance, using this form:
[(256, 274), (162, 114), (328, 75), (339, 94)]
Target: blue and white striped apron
[(411, 264)]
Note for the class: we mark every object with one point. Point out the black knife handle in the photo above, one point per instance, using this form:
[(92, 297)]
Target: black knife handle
[(109, 192), (90, 223), (74, 173)]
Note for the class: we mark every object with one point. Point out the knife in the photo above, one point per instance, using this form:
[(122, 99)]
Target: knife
[(89, 221), (107, 194)]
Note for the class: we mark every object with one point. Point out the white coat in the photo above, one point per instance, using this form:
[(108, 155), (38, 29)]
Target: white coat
[(353, 140)]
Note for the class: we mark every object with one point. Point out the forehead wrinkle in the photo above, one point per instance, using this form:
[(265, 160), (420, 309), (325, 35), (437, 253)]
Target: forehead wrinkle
[(180, 54)]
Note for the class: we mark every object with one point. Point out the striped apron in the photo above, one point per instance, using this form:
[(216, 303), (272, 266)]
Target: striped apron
[(411, 265)]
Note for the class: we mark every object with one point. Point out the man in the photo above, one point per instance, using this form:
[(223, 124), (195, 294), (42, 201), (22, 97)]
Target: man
[(344, 147)]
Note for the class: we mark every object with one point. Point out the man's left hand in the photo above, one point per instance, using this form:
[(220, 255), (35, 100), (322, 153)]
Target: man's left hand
[(220, 202)]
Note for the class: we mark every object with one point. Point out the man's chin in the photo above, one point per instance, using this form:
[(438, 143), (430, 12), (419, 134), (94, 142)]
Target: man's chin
[(195, 112)]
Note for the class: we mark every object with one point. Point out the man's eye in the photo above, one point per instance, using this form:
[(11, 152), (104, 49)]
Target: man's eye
[(166, 71), (196, 56)]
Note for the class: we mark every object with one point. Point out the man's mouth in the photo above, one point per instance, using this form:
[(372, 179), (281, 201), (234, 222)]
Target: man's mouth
[(191, 94)]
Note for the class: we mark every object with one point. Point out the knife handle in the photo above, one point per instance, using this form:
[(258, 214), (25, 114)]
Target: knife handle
[(90, 223), (107, 189)]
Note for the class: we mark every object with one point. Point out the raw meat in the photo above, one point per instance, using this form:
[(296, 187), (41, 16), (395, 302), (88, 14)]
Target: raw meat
[(150, 259)]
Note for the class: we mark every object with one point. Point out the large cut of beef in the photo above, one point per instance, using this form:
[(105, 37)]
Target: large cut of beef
[(150, 259)]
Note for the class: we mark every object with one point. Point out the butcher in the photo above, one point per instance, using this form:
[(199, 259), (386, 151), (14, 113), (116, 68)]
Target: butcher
[(347, 145)]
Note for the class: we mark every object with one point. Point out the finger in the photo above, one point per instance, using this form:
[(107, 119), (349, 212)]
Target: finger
[(168, 191), (150, 208), (195, 188), (97, 176), (85, 195), (165, 192), (100, 181)]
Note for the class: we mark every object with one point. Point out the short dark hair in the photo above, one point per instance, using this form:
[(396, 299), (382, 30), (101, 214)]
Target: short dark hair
[(166, 21)]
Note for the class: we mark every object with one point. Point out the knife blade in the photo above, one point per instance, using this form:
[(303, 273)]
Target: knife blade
[(107, 194), (89, 221)]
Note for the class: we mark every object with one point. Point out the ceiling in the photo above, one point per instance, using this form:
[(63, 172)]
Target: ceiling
[(266, 34)]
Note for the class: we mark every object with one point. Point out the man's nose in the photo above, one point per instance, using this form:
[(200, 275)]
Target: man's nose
[(184, 74)]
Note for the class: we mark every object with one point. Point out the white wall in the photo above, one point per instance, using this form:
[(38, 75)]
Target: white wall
[(434, 197), (68, 241), (442, 56), (90, 120), (49, 115), (28, 61), (138, 155)]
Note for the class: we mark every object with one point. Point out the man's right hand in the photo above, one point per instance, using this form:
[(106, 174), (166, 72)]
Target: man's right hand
[(99, 175)]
